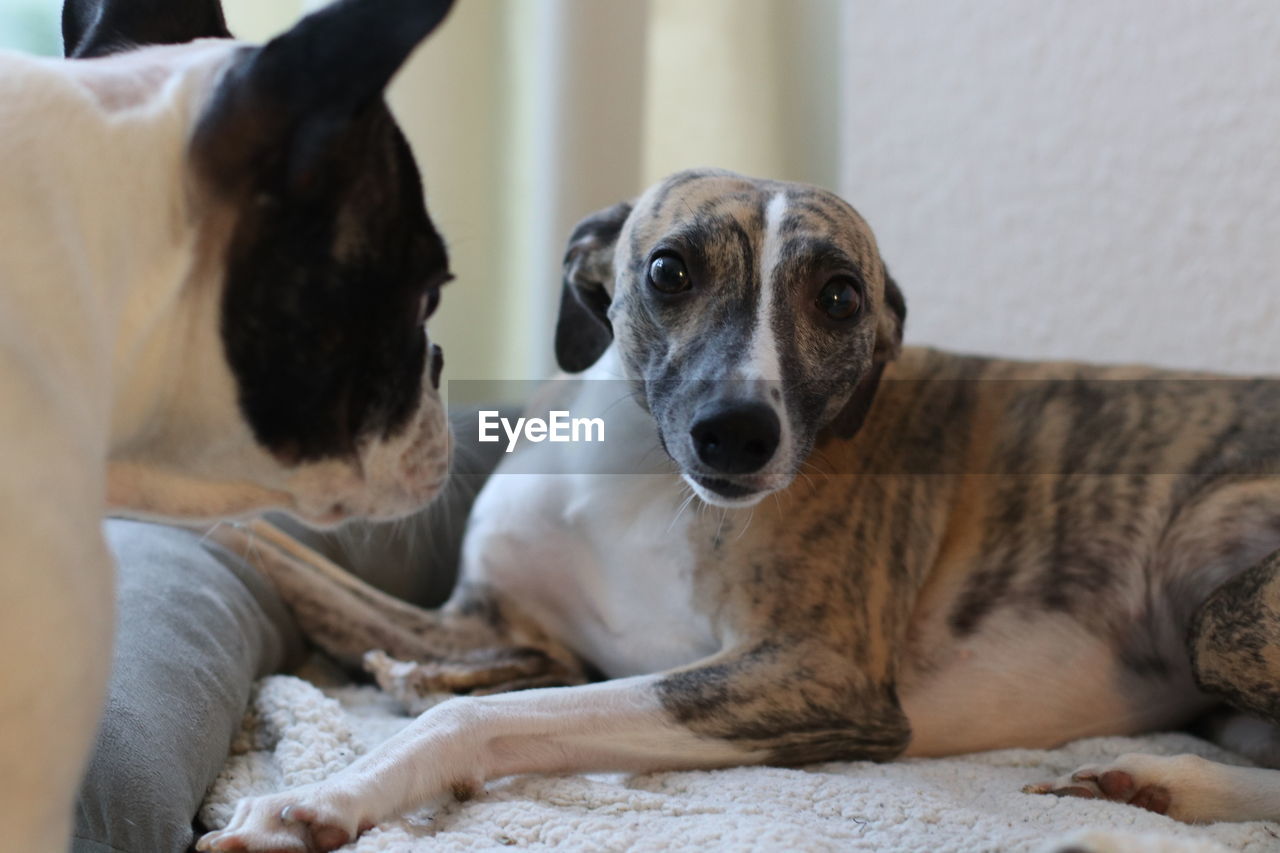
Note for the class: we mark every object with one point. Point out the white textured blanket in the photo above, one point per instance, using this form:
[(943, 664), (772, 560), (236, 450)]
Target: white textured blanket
[(296, 732)]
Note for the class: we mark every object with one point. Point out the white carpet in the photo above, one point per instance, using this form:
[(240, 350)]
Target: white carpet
[(297, 733)]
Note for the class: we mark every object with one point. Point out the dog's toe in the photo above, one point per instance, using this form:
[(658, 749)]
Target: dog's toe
[(251, 841), (1153, 798), (325, 835), (301, 821), (1117, 785)]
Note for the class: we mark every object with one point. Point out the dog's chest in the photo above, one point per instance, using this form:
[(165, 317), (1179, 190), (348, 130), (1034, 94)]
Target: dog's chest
[(601, 561), (599, 565)]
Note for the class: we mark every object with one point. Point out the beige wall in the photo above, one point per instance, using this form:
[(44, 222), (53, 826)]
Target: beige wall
[(527, 115), (1074, 178), (748, 85), (448, 100), (524, 117), (258, 20), (1063, 178)]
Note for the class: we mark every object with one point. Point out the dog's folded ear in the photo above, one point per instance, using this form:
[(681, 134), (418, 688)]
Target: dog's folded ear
[(889, 325), (583, 331), (892, 319), (99, 27), (281, 111)]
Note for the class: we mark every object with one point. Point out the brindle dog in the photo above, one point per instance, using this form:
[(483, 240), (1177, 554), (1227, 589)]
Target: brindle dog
[(956, 553)]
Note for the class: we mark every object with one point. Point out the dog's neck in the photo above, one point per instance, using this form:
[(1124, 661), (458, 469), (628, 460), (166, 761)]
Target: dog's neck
[(107, 263)]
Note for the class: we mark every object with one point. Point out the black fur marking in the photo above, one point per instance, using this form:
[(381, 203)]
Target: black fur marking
[(822, 214), (850, 419), (1109, 452), (325, 344), (768, 700), (674, 183), (1234, 638), (713, 321), (821, 360), (896, 304), (583, 330), (1140, 649), (93, 28), (332, 249), (1008, 537)]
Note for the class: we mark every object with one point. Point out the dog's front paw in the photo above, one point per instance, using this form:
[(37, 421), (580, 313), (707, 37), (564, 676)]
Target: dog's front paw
[(299, 821), (1180, 786), (420, 685)]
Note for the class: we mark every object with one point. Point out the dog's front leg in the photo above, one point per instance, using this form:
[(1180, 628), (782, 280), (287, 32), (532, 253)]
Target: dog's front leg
[(474, 644), (749, 707), (340, 613), (56, 585)]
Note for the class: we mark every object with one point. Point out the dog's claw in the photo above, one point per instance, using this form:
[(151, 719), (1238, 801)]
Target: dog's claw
[(1075, 791)]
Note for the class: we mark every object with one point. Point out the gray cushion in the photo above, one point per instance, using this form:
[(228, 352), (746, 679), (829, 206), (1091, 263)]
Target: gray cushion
[(195, 627)]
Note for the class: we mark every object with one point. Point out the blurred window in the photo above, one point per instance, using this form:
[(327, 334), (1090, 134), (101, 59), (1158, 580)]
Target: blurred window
[(30, 26)]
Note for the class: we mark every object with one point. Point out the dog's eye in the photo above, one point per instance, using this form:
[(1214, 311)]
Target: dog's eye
[(430, 299), (839, 298), (668, 273), (428, 304)]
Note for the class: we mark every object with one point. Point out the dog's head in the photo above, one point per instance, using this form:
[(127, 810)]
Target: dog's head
[(324, 263), (752, 315)]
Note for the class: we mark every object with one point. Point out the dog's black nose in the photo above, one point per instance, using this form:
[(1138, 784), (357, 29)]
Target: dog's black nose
[(736, 438)]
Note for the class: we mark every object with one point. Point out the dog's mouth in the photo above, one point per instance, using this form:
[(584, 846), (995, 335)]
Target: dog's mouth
[(732, 493)]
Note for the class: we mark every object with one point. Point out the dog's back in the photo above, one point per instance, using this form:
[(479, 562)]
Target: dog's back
[(76, 234)]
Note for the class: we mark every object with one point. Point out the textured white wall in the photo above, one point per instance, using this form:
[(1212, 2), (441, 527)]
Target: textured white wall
[(1073, 178)]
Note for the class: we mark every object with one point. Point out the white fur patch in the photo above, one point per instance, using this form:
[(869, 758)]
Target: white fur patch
[(763, 363)]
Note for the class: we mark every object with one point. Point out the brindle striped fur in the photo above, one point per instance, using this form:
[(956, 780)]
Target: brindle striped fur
[(1118, 498)]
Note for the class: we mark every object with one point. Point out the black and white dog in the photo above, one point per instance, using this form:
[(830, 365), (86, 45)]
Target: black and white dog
[(215, 270)]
